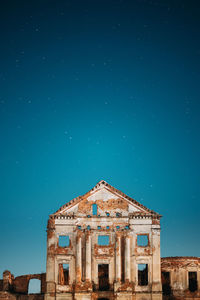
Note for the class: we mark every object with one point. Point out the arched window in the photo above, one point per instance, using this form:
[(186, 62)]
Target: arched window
[(34, 286)]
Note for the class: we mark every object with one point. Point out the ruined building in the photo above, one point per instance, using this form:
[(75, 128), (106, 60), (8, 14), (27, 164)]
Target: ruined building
[(105, 245), (112, 247)]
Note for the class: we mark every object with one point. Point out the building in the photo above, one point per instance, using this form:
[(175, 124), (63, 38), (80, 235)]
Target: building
[(105, 245), (112, 247)]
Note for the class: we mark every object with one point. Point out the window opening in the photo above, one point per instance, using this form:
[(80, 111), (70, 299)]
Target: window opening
[(142, 274), (103, 240), (98, 227), (118, 214), (166, 283), (142, 240), (127, 227), (34, 286), (107, 214), (63, 274), (88, 227), (107, 227), (117, 227), (103, 277), (63, 241), (79, 227), (94, 209), (192, 276)]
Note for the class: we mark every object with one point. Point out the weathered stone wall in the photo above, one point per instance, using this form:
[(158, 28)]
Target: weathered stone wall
[(19, 285), (122, 268), (178, 271), (122, 220), (177, 287), (14, 296)]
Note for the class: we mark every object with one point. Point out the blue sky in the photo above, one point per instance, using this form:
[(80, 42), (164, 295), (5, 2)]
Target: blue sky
[(94, 90)]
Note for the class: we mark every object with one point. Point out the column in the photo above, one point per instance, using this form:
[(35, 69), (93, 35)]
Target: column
[(198, 280), (118, 258), (50, 267), (78, 259), (127, 260), (156, 267), (88, 257)]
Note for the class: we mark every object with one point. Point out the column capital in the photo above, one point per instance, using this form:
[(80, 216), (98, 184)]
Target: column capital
[(87, 235), (128, 235), (119, 234), (51, 223), (79, 235)]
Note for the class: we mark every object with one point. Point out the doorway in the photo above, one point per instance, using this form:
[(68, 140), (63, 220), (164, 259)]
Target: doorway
[(192, 277), (166, 283), (103, 273)]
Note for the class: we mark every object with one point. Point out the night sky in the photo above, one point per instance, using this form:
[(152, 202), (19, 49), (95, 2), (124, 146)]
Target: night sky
[(93, 90)]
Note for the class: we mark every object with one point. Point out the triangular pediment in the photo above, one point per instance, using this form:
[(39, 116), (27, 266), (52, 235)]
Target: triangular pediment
[(107, 199)]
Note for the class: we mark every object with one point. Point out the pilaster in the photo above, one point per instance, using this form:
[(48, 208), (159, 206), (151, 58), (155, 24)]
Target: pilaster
[(118, 258), (156, 265), (88, 257), (127, 259), (79, 257), (50, 271)]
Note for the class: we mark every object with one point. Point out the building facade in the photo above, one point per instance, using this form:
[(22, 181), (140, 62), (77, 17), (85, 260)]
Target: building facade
[(103, 245)]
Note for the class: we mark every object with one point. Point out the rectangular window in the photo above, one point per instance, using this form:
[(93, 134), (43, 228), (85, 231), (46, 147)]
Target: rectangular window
[(103, 240), (94, 209), (63, 274), (63, 241), (192, 277), (142, 274), (142, 240)]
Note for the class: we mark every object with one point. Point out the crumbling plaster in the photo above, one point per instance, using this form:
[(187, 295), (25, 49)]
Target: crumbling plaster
[(122, 219)]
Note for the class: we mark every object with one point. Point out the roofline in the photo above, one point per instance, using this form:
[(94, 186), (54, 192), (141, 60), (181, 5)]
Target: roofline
[(103, 182), (179, 257)]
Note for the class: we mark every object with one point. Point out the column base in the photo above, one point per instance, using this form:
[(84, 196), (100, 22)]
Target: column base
[(83, 286), (124, 287), (148, 296), (83, 296), (124, 296), (64, 296), (49, 296), (157, 287)]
